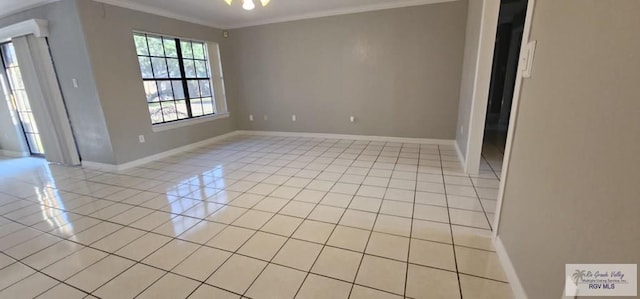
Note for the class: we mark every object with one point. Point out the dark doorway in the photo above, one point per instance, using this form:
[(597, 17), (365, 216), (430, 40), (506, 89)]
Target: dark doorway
[(503, 77)]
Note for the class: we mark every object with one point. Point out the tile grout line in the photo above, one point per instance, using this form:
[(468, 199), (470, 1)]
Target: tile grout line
[(406, 279), (335, 226), (200, 220), (455, 258), (371, 231), (293, 233), (289, 237)]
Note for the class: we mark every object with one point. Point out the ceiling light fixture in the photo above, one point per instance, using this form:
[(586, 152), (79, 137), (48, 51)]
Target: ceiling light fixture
[(248, 4)]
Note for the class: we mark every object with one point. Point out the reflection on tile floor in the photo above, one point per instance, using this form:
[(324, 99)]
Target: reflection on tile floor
[(255, 217)]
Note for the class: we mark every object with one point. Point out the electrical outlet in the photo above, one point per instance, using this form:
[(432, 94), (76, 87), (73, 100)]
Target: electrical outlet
[(265, 117), (75, 82), (141, 138), (293, 117), (250, 117), (352, 119)]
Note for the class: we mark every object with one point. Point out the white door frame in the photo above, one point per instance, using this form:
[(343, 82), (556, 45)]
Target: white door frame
[(513, 118), (43, 89), (481, 84)]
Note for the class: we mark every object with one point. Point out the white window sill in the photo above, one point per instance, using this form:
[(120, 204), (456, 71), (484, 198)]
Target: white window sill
[(187, 122)]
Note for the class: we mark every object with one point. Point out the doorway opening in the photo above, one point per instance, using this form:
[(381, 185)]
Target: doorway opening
[(504, 73), (19, 101)]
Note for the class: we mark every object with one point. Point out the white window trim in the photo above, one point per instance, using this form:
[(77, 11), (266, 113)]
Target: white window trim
[(37, 27), (188, 122), (220, 108)]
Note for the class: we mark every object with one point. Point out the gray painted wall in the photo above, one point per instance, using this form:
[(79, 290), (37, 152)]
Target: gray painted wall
[(108, 32), (69, 54), (572, 193), (471, 47), (397, 71)]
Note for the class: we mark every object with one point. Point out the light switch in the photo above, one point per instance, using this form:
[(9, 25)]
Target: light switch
[(75, 82), (527, 59)]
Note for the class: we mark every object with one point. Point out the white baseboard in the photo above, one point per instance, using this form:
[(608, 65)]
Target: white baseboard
[(509, 270), (13, 154), (99, 166), (135, 163), (158, 156), (348, 136)]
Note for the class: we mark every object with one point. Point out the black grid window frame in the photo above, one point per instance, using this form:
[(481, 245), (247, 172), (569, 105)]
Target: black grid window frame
[(194, 79)]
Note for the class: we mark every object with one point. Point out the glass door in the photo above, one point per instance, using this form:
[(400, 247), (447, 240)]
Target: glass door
[(20, 101)]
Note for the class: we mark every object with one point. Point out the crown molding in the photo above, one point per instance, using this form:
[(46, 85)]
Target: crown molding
[(160, 12), (325, 13), (337, 12)]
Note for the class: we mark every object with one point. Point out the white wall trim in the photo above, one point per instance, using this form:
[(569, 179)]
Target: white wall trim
[(319, 14), (187, 122), (8, 153), (99, 166), (460, 155), (509, 270), (513, 118), (37, 27), (141, 161), (481, 85), (336, 12), (158, 156), (348, 136)]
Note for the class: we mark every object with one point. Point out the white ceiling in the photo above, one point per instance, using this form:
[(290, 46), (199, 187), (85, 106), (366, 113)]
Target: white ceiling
[(218, 14), (9, 7)]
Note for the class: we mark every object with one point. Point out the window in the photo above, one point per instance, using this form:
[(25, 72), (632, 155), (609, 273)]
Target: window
[(177, 77)]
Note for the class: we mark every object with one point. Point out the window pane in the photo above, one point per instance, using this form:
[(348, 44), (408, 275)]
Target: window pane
[(170, 49), (145, 67), (151, 89), (176, 77), (15, 78), (174, 68), (194, 90), (178, 90), (169, 111), (189, 68), (156, 113), (166, 93), (205, 88), (201, 69), (9, 55), (155, 46), (28, 124), (21, 99), (141, 44), (159, 67), (196, 107), (198, 51), (207, 106), (181, 107), (186, 49)]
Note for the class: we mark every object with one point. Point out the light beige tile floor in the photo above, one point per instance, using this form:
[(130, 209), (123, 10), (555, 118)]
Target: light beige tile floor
[(253, 217)]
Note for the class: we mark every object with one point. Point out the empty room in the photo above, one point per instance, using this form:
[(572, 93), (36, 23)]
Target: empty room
[(476, 149)]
